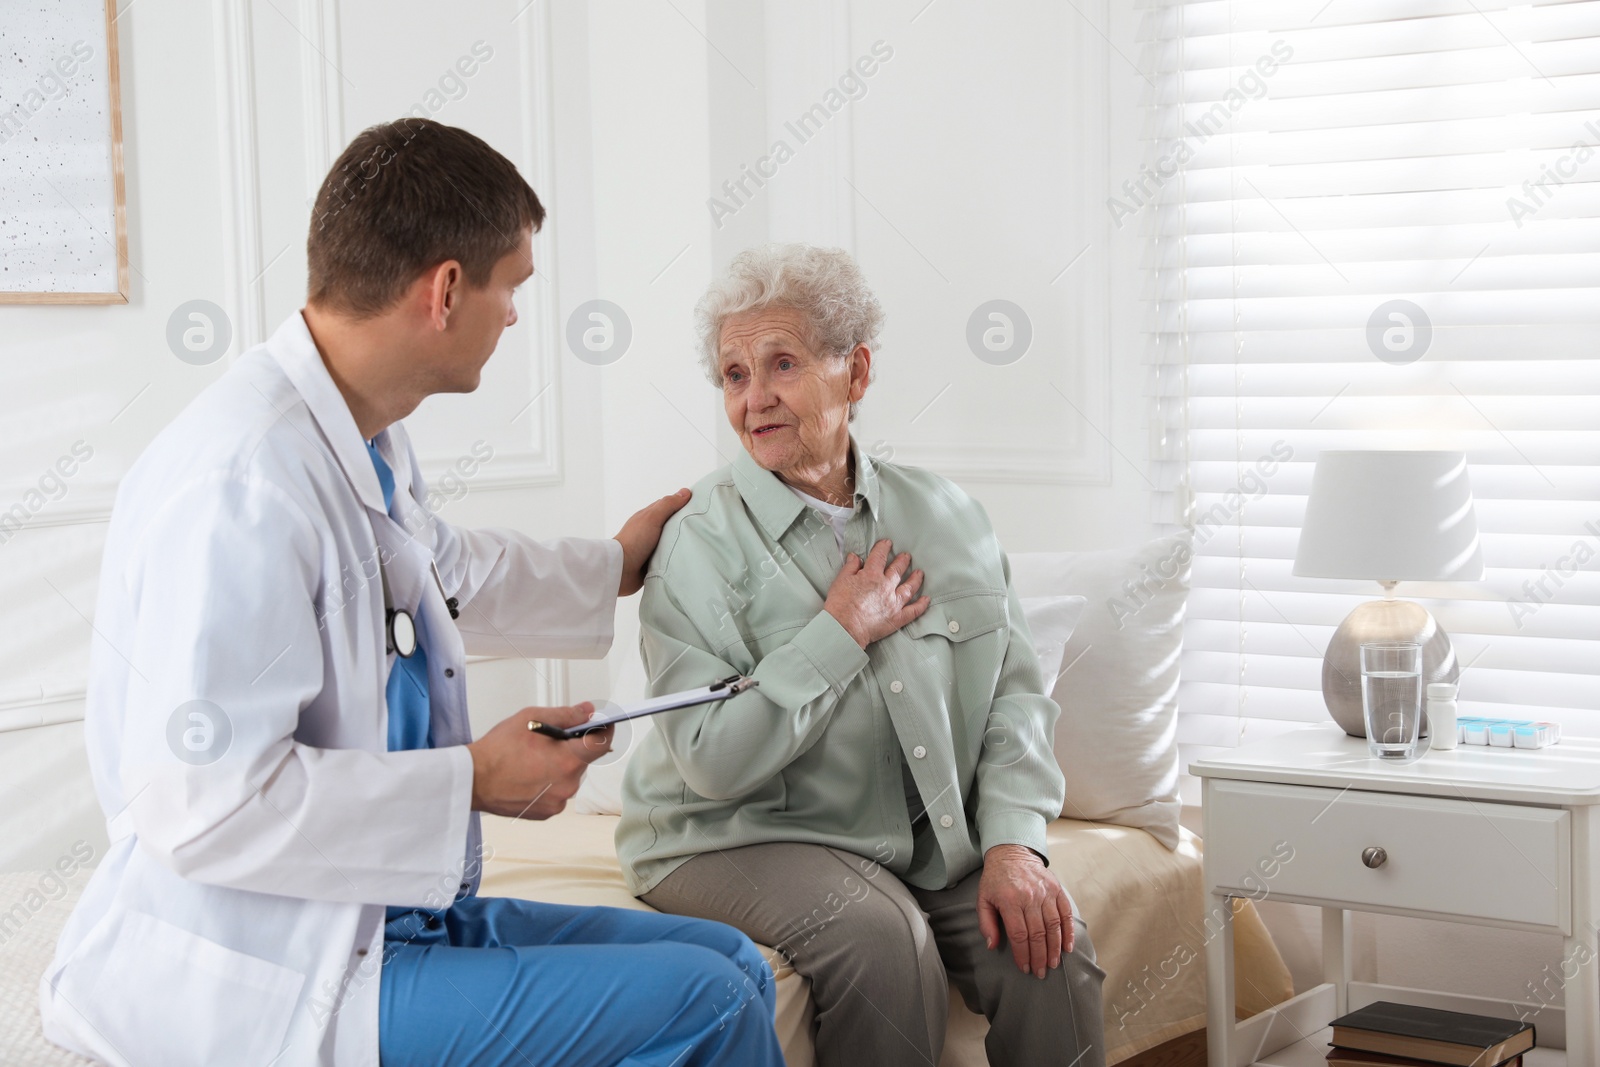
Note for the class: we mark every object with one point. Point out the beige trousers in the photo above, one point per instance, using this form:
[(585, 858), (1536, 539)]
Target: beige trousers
[(881, 956)]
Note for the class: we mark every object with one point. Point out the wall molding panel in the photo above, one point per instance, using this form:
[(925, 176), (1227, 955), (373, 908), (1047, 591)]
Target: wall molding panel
[(1005, 464), (808, 46), (24, 708), (321, 89), (314, 48), (536, 60), (817, 198), (234, 59), (1083, 379)]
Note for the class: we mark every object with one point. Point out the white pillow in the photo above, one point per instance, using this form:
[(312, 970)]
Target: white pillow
[(1051, 620), (1117, 684)]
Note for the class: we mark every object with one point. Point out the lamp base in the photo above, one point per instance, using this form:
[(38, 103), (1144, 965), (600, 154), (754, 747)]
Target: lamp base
[(1387, 622)]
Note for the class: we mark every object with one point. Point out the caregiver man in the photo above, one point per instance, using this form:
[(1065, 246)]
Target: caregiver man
[(277, 721)]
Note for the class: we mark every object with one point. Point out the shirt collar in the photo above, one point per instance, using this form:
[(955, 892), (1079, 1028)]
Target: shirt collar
[(296, 352), (776, 508), (866, 478)]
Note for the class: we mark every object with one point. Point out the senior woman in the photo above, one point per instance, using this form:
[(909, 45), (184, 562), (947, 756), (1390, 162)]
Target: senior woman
[(876, 809)]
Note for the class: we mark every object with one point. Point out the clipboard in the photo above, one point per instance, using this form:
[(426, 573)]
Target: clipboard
[(730, 686)]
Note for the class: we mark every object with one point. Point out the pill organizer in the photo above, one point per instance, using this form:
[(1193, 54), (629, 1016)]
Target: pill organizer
[(1506, 733)]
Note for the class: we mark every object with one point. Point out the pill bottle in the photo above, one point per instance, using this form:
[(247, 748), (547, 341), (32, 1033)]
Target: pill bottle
[(1442, 715)]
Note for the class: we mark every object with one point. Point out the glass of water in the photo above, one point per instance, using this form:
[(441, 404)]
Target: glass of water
[(1391, 698)]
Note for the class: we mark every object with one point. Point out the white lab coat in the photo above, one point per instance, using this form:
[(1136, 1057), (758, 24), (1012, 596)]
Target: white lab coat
[(238, 916)]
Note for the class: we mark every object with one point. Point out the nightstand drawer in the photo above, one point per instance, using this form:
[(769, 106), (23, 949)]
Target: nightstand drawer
[(1472, 859)]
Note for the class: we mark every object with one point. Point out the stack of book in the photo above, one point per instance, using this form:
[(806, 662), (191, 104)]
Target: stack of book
[(1384, 1034)]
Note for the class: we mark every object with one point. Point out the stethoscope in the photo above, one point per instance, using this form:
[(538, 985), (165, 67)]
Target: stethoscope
[(400, 628)]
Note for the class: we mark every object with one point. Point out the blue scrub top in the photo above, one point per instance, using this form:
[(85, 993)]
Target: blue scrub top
[(410, 714), (410, 717)]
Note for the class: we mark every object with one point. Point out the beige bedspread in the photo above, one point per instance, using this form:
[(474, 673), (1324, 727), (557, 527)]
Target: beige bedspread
[(1145, 908)]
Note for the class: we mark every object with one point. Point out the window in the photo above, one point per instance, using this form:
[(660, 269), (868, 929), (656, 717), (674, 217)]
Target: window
[(1376, 224)]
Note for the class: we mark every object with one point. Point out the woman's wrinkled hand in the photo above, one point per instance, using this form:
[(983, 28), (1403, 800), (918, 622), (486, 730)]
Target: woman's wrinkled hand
[(1018, 892), (874, 597)]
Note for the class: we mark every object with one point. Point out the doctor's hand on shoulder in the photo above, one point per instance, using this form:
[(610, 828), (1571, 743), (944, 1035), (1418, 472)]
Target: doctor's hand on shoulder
[(638, 538), (525, 775)]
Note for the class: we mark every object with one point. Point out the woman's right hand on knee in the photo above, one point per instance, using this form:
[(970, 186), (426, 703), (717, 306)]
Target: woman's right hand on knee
[(525, 775)]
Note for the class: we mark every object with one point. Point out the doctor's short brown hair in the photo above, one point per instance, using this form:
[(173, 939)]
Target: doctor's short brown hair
[(404, 197)]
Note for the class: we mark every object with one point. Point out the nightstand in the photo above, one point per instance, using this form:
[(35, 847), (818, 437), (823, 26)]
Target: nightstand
[(1489, 836)]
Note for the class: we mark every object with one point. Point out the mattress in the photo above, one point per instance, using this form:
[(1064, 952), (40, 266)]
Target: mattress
[(1145, 906)]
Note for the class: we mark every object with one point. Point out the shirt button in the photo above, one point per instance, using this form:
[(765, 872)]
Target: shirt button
[(946, 821), (919, 752), (449, 672), (361, 952), (895, 686), (955, 627)]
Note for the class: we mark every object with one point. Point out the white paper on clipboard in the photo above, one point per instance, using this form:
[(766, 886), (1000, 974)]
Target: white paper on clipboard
[(706, 694)]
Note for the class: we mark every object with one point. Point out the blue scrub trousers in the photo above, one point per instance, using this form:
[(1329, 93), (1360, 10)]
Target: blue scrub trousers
[(492, 981)]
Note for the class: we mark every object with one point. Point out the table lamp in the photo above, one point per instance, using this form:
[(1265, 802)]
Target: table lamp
[(1387, 517)]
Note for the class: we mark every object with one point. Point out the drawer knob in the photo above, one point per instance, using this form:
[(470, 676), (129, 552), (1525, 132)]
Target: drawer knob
[(1374, 856)]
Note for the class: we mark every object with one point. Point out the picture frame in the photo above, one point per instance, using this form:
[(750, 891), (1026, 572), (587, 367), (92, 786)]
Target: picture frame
[(62, 185)]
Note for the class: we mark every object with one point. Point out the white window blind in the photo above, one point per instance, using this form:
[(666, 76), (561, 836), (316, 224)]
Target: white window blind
[(1310, 164)]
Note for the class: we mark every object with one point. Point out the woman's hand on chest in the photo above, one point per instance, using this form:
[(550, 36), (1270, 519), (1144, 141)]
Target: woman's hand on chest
[(874, 597)]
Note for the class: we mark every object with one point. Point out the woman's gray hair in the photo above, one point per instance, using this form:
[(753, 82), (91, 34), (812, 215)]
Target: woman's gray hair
[(824, 283)]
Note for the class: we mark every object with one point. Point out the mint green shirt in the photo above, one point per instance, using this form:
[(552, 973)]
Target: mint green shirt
[(815, 753)]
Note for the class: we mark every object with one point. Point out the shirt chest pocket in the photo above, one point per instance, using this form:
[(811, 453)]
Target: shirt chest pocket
[(957, 647), (960, 619)]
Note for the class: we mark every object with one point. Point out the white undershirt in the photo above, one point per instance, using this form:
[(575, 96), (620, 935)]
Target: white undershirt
[(837, 516)]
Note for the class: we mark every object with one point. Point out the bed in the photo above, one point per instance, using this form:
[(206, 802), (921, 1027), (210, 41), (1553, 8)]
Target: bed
[(1144, 906)]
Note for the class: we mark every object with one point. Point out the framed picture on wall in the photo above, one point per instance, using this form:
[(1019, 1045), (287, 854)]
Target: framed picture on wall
[(63, 225)]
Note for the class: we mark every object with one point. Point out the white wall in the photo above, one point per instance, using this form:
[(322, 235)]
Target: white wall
[(972, 168)]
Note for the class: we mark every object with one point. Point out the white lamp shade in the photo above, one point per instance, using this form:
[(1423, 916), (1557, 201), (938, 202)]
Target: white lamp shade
[(1390, 516)]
